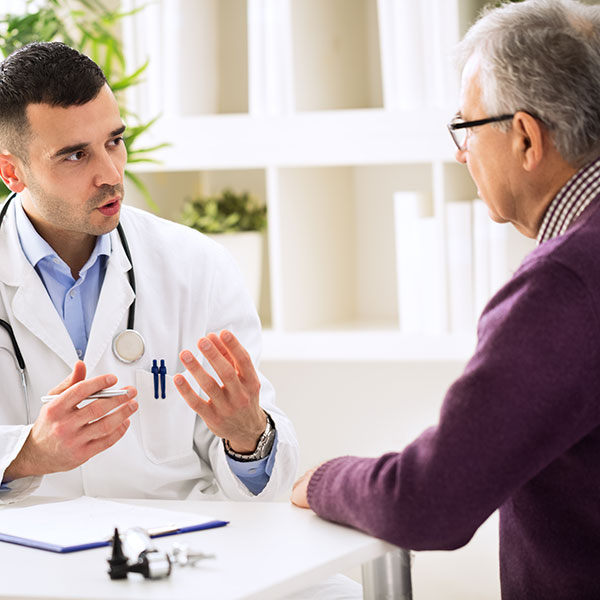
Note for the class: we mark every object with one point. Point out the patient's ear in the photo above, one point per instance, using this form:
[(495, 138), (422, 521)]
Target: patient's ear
[(528, 141), (9, 172)]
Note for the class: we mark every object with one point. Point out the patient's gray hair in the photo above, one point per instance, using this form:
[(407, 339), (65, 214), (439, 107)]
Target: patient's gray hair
[(542, 57)]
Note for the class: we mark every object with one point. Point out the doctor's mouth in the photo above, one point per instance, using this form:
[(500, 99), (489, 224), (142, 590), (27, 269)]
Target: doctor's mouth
[(111, 208)]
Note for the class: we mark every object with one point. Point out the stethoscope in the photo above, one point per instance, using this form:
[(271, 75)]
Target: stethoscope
[(128, 345)]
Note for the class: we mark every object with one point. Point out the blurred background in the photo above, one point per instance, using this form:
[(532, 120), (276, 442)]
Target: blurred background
[(309, 136)]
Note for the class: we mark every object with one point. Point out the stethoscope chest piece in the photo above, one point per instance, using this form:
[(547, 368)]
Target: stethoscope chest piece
[(129, 346)]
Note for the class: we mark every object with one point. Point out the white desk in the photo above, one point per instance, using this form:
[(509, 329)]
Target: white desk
[(266, 551)]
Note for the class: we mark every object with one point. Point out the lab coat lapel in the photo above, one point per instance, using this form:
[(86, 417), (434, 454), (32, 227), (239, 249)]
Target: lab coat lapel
[(31, 305), (115, 298)]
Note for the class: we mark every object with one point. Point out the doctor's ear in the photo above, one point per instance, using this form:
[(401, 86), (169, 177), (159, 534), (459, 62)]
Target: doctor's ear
[(9, 172)]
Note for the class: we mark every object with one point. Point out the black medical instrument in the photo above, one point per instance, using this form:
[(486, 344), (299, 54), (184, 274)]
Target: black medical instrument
[(134, 552), (128, 345)]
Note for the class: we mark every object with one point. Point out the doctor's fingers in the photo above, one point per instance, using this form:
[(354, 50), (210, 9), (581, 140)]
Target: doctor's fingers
[(111, 425), (195, 402), (239, 379), (76, 375), (226, 372), (243, 362), (101, 407), (214, 338), (98, 444), (72, 396)]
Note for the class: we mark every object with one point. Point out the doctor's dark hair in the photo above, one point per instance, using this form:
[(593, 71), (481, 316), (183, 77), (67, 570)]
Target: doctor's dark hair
[(42, 73), (542, 57)]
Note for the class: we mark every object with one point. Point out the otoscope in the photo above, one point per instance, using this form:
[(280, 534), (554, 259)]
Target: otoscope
[(136, 553)]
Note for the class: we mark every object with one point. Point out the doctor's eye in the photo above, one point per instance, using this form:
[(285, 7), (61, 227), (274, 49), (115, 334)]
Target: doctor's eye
[(117, 141), (76, 156)]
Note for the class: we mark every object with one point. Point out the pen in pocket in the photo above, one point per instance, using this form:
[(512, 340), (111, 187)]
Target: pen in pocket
[(159, 373)]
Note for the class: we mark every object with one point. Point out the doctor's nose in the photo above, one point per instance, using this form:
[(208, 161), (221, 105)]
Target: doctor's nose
[(108, 171)]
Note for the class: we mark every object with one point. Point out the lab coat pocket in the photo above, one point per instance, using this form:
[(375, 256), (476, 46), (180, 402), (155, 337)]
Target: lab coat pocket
[(167, 424)]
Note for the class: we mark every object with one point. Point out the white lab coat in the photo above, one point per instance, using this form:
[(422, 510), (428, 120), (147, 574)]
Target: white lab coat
[(187, 286)]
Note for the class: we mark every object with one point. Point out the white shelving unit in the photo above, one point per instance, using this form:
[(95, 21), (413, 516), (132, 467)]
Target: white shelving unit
[(324, 108), (327, 109)]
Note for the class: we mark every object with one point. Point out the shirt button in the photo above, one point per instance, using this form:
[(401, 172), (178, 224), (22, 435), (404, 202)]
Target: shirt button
[(72, 293), (252, 470), (55, 260), (79, 352)]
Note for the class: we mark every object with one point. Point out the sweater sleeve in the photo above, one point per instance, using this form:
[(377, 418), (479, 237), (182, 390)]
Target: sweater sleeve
[(527, 395)]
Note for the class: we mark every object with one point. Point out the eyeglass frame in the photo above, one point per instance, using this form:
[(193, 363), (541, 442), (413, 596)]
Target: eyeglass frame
[(452, 126)]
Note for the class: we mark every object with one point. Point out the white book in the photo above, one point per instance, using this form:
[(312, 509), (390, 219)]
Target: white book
[(460, 267), (481, 255), (270, 68), (402, 65), (432, 298), (408, 207), (143, 40), (440, 29)]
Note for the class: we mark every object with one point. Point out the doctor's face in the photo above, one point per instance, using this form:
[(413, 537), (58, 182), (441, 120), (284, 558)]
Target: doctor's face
[(73, 176)]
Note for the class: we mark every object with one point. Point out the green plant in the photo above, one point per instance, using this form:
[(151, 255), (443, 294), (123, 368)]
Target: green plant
[(225, 213), (90, 27)]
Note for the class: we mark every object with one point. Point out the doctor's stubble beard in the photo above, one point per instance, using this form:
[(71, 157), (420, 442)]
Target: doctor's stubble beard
[(53, 209)]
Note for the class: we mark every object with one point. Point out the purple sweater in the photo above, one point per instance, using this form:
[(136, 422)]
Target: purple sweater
[(518, 431)]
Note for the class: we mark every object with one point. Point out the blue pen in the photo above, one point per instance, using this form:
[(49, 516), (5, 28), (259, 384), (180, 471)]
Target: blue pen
[(155, 373), (163, 371)]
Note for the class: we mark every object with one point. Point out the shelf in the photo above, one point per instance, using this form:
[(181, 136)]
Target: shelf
[(334, 112), (368, 136), (366, 345)]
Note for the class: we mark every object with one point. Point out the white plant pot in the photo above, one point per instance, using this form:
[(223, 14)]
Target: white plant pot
[(246, 248)]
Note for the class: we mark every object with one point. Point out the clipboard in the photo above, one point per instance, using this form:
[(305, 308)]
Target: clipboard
[(85, 523)]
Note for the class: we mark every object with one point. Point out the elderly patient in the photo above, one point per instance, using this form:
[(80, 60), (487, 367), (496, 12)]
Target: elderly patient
[(519, 430)]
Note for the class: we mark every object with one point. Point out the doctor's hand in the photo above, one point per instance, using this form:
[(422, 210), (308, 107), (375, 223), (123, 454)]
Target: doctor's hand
[(232, 411), (64, 436)]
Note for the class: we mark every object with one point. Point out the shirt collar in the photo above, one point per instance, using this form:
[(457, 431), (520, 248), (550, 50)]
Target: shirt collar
[(571, 201), (36, 248)]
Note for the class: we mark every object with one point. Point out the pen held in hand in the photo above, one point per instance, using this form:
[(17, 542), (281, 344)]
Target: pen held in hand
[(100, 394)]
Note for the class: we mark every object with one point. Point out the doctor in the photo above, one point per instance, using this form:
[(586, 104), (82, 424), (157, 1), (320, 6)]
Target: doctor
[(66, 293)]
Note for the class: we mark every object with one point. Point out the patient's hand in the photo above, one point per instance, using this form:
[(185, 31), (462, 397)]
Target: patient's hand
[(300, 489)]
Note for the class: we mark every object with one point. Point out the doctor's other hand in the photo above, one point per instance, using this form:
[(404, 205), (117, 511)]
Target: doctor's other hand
[(232, 411), (300, 489), (64, 436)]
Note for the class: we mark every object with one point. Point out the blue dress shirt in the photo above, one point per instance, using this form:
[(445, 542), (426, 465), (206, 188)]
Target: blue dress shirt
[(76, 301)]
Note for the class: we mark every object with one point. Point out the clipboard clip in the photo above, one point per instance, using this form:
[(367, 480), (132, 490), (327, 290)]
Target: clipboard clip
[(136, 553)]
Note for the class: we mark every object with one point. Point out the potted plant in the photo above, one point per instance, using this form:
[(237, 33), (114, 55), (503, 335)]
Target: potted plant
[(237, 221), (90, 27)]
